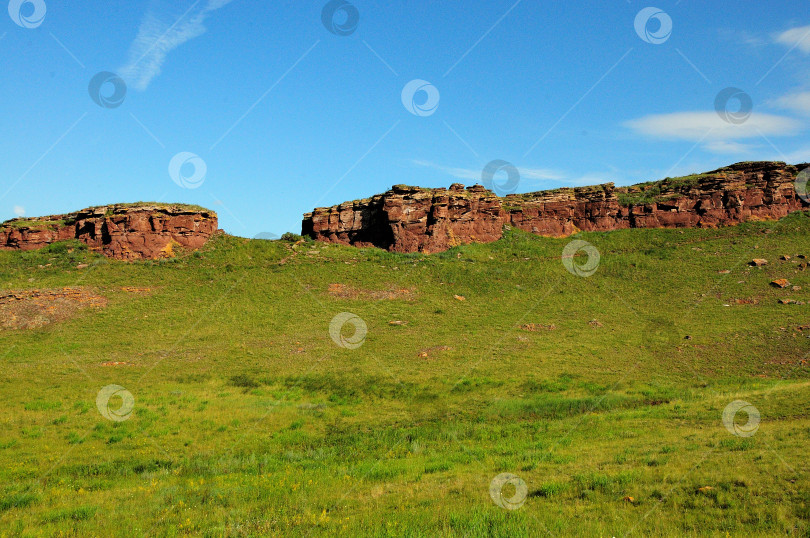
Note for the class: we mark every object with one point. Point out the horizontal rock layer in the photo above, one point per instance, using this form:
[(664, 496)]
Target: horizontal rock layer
[(414, 219), (119, 231)]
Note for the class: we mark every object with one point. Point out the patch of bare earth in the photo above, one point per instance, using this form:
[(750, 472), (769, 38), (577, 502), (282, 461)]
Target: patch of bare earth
[(532, 327), (344, 291), (30, 309), (429, 352), (133, 289)]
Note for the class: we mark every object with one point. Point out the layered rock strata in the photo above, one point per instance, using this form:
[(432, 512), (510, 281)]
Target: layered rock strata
[(414, 219), (122, 231)]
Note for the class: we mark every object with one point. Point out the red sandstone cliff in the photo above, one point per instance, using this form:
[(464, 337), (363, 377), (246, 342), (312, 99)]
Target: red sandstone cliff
[(411, 219), (123, 231)]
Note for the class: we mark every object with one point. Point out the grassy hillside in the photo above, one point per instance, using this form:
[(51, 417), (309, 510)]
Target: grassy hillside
[(604, 394)]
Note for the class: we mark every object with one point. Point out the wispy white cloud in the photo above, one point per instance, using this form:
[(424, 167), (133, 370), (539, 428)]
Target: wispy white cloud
[(797, 102), (727, 146), (801, 155), (19, 210), (157, 37), (796, 37), (539, 174), (716, 133), (738, 36)]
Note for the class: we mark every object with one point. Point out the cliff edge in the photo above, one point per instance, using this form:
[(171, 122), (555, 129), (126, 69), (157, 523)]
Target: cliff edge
[(122, 231), (414, 219)]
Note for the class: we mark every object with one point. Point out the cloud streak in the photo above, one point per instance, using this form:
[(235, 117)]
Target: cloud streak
[(156, 39), (797, 102), (719, 136), (796, 37)]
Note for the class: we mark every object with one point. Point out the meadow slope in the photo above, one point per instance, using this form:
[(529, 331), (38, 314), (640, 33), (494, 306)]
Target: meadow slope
[(604, 393)]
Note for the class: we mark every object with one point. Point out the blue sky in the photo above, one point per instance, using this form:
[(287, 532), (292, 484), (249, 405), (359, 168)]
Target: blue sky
[(266, 113)]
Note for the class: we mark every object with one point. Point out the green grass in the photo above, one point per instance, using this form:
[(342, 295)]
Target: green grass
[(658, 191), (36, 223), (250, 421), (164, 205), (32, 223)]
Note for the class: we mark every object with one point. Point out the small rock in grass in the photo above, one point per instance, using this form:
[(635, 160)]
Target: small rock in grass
[(397, 322), (594, 323), (459, 298), (724, 272), (82, 266), (532, 327), (796, 288), (780, 283), (785, 257), (758, 262), (787, 301)]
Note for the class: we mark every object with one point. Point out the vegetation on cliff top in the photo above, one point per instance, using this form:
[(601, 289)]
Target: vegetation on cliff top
[(41, 222), (604, 394), (32, 223), (659, 191), (161, 205)]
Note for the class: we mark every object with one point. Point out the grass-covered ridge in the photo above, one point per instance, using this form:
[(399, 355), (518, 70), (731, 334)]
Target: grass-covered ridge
[(34, 223), (110, 209), (658, 191), (160, 205), (250, 421)]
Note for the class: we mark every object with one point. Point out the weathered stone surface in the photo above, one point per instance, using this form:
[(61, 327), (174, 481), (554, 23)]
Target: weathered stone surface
[(121, 231), (413, 219)]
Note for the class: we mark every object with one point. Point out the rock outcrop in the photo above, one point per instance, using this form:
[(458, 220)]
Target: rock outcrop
[(122, 231), (413, 219)]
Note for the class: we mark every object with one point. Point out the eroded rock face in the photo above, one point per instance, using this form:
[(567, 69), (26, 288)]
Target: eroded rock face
[(122, 231), (412, 219)]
